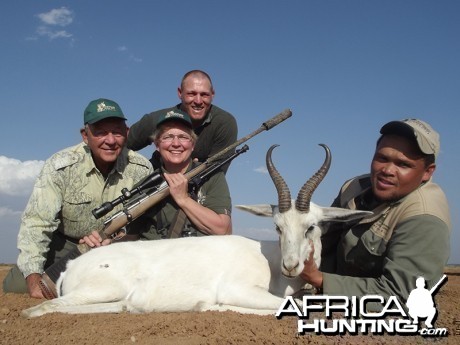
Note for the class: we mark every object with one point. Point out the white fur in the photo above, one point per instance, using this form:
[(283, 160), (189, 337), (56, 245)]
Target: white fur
[(191, 274), (299, 230), (185, 274)]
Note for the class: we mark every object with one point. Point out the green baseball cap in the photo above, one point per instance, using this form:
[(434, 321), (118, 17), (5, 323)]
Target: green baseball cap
[(100, 109), (427, 138), (175, 115)]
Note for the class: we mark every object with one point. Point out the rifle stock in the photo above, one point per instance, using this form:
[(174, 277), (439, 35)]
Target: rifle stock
[(142, 204)]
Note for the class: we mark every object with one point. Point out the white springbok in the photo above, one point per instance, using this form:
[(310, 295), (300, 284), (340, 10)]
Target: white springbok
[(298, 222), (199, 273)]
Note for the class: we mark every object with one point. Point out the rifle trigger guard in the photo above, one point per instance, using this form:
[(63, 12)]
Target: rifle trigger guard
[(119, 234)]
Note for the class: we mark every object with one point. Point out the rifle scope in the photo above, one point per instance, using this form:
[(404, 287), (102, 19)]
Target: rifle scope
[(150, 181)]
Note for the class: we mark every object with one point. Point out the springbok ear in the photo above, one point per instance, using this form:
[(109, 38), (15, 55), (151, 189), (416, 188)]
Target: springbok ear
[(259, 210), (335, 214)]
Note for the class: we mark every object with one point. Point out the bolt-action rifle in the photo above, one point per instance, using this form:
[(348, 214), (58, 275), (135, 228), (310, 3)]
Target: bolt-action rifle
[(158, 190), (150, 191)]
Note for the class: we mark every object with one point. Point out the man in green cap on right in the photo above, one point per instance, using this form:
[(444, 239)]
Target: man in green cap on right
[(71, 184)]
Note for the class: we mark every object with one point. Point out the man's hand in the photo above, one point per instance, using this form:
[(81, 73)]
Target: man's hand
[(32, 285), (310, 272), (94, 240)]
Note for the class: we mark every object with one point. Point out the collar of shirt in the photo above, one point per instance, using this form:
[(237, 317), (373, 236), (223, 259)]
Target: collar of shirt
[(119, 166)]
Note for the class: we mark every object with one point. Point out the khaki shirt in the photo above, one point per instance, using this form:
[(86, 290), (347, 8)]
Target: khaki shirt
[(384, 253), (67, 189)]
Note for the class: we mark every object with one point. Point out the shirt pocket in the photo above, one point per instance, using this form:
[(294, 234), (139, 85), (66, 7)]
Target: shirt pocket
[(77, 206), (374, 243), (372, 253)]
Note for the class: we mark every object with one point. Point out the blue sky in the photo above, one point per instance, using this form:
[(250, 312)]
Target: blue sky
[(344, 68)]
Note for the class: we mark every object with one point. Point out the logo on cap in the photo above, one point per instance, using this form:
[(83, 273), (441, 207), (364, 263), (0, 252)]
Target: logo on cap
[(102, 107), (173, 114), (422, 126)]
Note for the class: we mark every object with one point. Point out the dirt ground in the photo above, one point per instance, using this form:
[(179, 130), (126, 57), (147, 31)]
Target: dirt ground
[(197, 328)]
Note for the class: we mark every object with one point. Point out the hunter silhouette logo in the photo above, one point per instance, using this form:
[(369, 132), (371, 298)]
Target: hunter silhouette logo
[(420, 302), (344, 314)]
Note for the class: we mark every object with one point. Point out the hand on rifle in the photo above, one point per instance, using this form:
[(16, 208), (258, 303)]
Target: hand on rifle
[(178, 187), (94, 240)]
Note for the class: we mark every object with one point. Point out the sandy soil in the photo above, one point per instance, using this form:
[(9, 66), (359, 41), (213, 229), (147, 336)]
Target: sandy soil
[(197, 328)]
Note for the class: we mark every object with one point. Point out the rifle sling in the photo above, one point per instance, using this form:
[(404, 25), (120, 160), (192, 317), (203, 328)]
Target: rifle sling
[(177, 224)]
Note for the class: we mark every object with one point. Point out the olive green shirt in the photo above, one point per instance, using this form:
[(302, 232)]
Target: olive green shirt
[(67, 189), (383, 254)]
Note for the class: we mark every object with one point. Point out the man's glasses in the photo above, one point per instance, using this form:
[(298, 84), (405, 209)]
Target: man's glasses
[(168, 138)]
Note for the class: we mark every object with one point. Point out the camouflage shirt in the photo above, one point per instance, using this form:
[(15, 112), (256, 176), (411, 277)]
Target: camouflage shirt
[(67, 189)]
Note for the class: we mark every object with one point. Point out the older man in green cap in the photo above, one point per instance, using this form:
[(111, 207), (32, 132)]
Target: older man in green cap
[(405, 238), (71, 184)]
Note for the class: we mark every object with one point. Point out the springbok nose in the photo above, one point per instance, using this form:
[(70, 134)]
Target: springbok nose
[(290, 267)]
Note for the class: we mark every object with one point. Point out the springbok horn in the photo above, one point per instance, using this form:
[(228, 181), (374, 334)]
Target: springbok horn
[(284, 195), (302, 203)]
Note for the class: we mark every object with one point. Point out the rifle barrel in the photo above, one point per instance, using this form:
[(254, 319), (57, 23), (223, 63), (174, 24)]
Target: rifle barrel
[(440, 281), (267, 125)]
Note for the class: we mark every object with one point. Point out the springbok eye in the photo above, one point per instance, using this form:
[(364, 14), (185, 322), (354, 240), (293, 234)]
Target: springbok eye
[(311, 228)]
